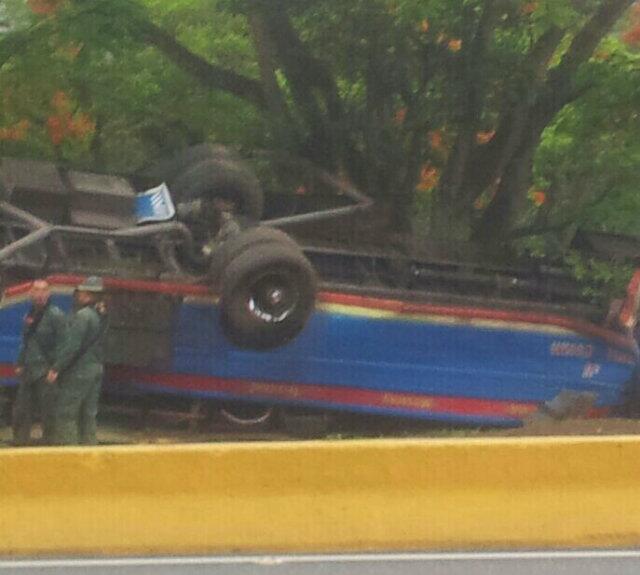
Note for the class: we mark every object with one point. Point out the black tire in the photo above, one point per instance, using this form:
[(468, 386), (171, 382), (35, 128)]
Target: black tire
[(248, 239), (211, 179), (168, 168), (268, 293)]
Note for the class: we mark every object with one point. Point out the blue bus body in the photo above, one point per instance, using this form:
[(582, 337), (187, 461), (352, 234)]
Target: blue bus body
[(467, 365)]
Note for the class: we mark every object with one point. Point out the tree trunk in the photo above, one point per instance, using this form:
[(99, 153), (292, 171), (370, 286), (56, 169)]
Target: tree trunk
[(265, 52), (510, 202), (206, 73), (512, 166)]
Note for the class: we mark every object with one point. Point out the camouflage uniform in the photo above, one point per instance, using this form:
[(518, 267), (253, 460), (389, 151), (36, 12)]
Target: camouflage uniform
[(205, 211), (79, 363), (44, 329), (229, 228)]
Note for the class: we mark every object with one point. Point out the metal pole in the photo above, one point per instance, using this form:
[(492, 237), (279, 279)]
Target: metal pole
[(29, 219), (314, 216), (25, 242)]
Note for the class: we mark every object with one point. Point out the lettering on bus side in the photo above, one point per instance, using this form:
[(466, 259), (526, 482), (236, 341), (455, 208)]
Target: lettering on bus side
[(590, 370), (620, 357), (393, 400), (273, 389), (571, 349)]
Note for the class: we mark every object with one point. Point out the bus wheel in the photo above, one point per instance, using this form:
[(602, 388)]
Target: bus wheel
[(247, 414), (268, 294), (211, 179), (246, 240)]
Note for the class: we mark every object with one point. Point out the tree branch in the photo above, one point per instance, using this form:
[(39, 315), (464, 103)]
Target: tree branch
[(491, 159), (543, 99), (529, 231), (559, 88), (208, 74), (132, 19), (15, 42), (587, 40), (473, 57), (266, 61), (312, 85)]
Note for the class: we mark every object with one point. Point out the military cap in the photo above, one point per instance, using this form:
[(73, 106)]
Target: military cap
[(91, 284)]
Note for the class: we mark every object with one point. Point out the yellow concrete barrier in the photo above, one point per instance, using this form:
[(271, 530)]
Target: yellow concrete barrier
[(321, 496)]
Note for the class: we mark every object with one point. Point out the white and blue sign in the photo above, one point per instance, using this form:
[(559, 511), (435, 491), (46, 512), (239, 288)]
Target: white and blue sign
[(155, 205)]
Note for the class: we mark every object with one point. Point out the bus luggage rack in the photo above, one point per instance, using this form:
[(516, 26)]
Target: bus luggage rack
[(32, 244), (454, 283), (151, 250)]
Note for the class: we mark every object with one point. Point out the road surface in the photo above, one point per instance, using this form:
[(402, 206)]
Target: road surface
[(529, 563)]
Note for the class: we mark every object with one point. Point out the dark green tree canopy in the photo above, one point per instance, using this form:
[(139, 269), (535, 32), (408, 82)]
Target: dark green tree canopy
[(491, 116)]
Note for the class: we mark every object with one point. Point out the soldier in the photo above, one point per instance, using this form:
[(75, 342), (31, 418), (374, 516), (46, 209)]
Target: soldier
[(228, 225), (44, 327), (217, 214), (78, 368)]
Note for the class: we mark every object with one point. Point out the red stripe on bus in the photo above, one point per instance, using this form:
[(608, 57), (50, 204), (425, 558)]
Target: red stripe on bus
[(346, 396), (367, 302)]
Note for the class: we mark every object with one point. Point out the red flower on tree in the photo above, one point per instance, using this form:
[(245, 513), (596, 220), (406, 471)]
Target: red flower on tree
[(399, 116), (44, 7), (435, 139), (632, 36), (60, 101), (455, 44), (62, 124), (81, 126), (429, 177), (15, 133), (538, 197), (57, 129), (484, 137)]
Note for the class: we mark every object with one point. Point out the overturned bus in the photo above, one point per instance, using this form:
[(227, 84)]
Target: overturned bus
[(265, 321)]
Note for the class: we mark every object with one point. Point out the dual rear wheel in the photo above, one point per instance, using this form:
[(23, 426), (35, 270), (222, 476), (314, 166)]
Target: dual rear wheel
[(267, 289), (267, 286)]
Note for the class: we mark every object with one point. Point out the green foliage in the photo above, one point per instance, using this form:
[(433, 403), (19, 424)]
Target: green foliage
[(588, 159), (405, 73), (142, 105), (601, 281)]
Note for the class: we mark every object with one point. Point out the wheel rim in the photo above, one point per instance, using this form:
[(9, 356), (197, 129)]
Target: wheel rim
[(273, 297), (246, 414)]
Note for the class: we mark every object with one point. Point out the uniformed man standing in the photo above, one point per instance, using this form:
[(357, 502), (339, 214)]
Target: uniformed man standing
[(217, 217), (229, 226), (78, 368), (44, 327)]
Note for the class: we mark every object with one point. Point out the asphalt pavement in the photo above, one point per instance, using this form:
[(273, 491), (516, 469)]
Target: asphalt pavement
[(529, 563)]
